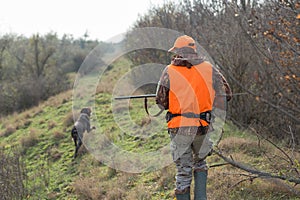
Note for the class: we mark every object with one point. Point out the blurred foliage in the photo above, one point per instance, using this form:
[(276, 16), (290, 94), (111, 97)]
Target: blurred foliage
[(35, 68)]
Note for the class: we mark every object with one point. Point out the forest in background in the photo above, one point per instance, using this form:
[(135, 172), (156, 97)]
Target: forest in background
[(256, 45), (36, 68)]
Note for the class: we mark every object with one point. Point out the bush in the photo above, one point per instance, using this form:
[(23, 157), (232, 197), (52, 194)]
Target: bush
[(55, 154), (29, 140), (51, 124), (57, 135), (89, 188), (68, 120), (8, 131)]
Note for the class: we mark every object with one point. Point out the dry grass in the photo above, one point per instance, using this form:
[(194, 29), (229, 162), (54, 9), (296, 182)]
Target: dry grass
[(231, 183), (94, 186), (104, 87), (27, 123), (145, 121), (167, 178), (116, 192), (9, 129), (42, 121), (260, 155), (109, 184), (242, 145), (59, 99), (57, 135), (221, 182), (121, 107), (121, 185), (97, 186), (224, 182), (89, 188), (55, 154), (20, 120), (29, 140), (37, 111), (140, 192), (68, 121), (51, 124)]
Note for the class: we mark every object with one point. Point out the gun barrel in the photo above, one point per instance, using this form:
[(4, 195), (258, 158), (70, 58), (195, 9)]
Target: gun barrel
[(154, 95), (135, 96)]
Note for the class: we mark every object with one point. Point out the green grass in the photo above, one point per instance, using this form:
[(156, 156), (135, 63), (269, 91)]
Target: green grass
[(43, 133)]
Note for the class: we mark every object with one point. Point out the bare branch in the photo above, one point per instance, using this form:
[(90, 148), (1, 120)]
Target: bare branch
[(261, 174), (249, 178), (218, 165), (290, 160)]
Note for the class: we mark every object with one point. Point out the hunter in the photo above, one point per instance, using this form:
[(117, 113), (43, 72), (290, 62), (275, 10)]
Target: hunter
[(187, 89)]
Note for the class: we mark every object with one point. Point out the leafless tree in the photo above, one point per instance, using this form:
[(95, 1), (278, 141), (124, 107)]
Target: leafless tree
[(256, 46)]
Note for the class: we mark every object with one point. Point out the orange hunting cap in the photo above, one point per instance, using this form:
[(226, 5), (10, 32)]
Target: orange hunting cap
[(183, 41)]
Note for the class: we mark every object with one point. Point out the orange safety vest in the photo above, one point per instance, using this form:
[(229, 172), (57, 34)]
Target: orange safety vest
[(191, 91)]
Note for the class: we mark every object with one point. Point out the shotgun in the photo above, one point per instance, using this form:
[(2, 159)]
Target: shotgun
[(154, 95), (145, 96)]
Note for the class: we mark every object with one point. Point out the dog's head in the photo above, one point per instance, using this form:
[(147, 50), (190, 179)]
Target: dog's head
[(87, 111)]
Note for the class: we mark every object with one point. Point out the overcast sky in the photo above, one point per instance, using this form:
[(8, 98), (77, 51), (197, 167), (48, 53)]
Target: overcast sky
[(102, 19)]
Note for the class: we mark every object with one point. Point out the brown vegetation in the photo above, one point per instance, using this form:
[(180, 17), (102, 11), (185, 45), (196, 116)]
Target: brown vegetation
[(12, 174), (256, 46), (29, 139)]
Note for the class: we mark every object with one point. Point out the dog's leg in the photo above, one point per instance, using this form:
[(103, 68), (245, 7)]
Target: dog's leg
[(74, 156), (77, 147), (75, 137), (76, 151), (75, 141)]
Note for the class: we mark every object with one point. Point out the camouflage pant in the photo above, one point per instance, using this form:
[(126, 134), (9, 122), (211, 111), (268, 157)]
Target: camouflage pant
[(188, 155)]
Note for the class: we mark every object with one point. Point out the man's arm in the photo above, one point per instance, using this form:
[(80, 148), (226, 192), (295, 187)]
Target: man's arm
[(162, 92), (221, 84)]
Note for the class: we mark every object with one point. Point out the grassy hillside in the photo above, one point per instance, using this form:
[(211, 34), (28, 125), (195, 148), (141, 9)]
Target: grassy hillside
[(43, 133)]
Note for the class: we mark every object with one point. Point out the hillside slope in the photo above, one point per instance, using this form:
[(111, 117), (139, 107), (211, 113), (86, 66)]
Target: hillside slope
[(43, 134)]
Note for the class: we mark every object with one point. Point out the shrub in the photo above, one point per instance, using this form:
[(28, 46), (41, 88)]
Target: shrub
[(51, 124), (69, 120), (8, 131), (111, 172), (166, 178), (29, 140), (27, 123), (139, 192), (89, 188), (55, 154), (57, 135)]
